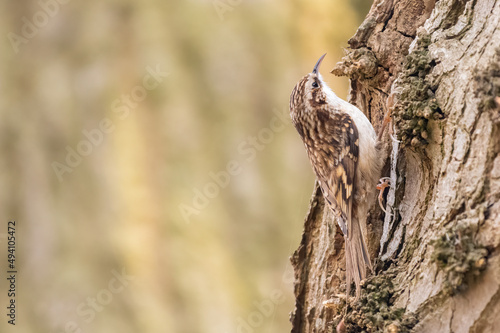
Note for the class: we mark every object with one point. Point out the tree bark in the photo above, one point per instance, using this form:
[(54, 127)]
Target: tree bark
[(437, 267)]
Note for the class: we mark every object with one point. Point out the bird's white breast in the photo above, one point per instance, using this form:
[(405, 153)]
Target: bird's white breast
[(367, 136)]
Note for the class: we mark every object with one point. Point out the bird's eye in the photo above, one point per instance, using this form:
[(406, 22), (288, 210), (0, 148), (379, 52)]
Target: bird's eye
[(315, 84)]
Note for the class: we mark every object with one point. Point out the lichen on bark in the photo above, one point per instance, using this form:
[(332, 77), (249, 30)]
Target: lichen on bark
[(375, 311), (416, 102), (458, 254)]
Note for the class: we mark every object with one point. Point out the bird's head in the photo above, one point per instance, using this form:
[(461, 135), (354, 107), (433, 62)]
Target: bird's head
[(310, 92)]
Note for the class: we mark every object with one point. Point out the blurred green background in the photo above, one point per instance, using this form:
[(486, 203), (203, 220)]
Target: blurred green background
[(128, 218)]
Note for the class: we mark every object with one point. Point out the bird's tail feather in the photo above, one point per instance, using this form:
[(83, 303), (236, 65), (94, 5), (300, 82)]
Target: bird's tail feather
[(356, 257)]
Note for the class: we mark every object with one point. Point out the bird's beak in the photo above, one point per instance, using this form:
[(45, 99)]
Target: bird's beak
[(316, 68)]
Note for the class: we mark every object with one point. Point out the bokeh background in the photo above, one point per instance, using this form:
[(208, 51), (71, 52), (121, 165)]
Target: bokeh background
[(211, 262)]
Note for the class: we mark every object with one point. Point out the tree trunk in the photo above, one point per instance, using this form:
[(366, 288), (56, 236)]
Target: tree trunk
[(437, 267)]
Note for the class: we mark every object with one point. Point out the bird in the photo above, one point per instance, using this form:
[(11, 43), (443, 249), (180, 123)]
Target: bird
[(343, 149)]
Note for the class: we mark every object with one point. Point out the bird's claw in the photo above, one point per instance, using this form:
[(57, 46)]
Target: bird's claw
[(384, 182)]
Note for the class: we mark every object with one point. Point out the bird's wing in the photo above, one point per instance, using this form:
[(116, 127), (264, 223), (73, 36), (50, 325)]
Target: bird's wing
[(339, 165), (332, 143), (337, 182)]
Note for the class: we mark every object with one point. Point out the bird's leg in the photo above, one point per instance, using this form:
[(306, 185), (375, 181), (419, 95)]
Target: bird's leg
[(387, 116), (341, 327), (384, 182)]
